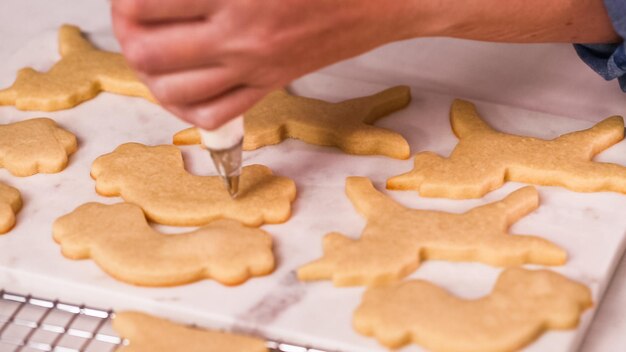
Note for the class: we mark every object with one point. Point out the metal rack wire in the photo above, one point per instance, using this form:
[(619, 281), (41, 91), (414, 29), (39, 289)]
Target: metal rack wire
[(29, 324)]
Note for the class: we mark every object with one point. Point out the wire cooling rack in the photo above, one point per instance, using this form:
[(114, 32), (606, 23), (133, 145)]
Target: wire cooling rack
[(29, 324)]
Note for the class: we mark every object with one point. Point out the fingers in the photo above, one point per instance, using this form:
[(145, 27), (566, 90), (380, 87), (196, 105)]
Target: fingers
[(195, 55), (159, 10), (166, 47), (215, 112), (193, 86)]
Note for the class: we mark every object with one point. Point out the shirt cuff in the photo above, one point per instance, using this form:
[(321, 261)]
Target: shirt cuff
[(609, 60)]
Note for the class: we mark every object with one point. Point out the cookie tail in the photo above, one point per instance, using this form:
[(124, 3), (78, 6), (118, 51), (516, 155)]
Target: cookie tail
[(71, 40), (465, 119)]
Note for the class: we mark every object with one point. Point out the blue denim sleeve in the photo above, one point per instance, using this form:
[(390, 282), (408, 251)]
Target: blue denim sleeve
[(609, 60)]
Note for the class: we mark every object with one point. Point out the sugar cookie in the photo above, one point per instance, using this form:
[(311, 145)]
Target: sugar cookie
[(485, 158), (80, 75), (146, 333), (118, 238), (346, 125), (522, 305), (10, 204), (155, 179), (396, 238), (36, 145)]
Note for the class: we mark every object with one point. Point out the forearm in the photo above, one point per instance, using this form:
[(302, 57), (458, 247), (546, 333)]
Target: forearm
[(521, 21)]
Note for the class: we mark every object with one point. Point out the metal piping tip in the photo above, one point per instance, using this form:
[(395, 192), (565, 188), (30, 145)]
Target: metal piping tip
[(232, 184), (228, 165)]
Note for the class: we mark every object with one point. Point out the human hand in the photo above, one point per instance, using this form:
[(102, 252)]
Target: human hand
[(208, 61)]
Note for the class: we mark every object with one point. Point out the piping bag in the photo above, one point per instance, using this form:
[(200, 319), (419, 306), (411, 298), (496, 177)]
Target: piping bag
[(225, 146)]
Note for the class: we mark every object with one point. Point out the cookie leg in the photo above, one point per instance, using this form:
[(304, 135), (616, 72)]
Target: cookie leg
[(369, 140), (509, 250), (351, 262), (434, 176), (461, 182), (595, 139), (380, 104), (597, 176), (413, 179), (578, 176), (187, 136), (7, 96)]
